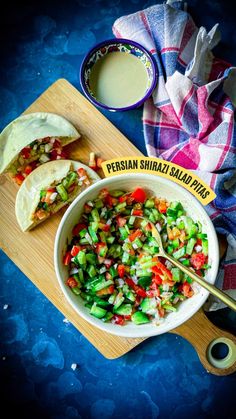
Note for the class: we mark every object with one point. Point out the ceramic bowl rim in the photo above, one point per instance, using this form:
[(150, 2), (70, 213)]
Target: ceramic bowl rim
[(118, 41)]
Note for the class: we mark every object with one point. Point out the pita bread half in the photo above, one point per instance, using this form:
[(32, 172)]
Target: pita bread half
[(28, 128), (43, 177)]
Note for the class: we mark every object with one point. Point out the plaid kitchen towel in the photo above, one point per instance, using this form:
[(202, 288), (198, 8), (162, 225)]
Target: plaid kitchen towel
[(189, 119)]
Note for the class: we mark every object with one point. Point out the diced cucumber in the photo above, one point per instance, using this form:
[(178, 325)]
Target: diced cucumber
[(93, 235), (125, 257), (205, 246), (110, 239), (168, 307), (123, 310), (130, 295), (185, 262), (81, 258), (180, 252), (97, 311), (119, 300), (95, 214), (91, 258), (190, 245), (100, 302), (76, 290), (144, 281), (101, 285), (117, 193), (62, 192), (98, 203), (91, 270), (120, 207), (140, 318), (149, 305), (176, 274), (175, 243), (123, 233), (137, 244), (108, 316), (131, 220), (113, 272), (149, 203), (83, 232), (112, 298)]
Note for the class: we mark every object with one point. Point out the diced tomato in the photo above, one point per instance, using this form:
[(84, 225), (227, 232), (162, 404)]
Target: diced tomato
[(71, 282), (121, 271), (121, 221), (186, 289), (156, 270), (154, 291), (56, 143), (199, 242), (103, 193), (51, 190), (100, 259), (25, 152), (111, 201), (67, 258), (92, 161), (117, 319), (127, 317), (75, 250), (82, 172), (104, 227), (139, 195), (162, 271), (106, 291), (161, 312), (71, 187), (77, 228), (99, 162), (198, 260), (28, 169), (162, 207), (108, 262), (199, 273), (53, 155), (99, 246), (87, 208), (157, 280), (137, 301), (19, 178), (137, 212), (108, 275), (140, 291), (137, 233), (40, 214), (124, 197), (148, 227)]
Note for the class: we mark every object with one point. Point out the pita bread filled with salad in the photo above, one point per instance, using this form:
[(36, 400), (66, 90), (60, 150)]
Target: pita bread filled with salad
[(32, 140), (49, 188)]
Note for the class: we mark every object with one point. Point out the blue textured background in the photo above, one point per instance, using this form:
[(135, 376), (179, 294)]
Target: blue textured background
[(163, 377)]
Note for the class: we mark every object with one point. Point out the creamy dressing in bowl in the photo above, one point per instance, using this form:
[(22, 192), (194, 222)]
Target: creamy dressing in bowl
[(118, 79)]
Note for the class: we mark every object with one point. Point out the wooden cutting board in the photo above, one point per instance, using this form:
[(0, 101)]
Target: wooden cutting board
[(28, 250)]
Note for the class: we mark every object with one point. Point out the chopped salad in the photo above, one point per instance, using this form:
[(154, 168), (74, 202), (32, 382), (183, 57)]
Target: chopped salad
[(38, 152), (61, 192), (113, 264)]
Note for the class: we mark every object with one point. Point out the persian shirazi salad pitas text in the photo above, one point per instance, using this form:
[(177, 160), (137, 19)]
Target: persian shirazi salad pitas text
[(113, 264)]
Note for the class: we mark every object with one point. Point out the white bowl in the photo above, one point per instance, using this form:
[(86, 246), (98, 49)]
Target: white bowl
[(160, 187)]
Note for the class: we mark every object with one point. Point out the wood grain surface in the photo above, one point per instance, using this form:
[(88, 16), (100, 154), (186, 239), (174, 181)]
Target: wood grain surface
[(28, 250)]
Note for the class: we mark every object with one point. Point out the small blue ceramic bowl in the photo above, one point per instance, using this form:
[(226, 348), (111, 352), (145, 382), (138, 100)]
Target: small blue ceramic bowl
[(118, 45)]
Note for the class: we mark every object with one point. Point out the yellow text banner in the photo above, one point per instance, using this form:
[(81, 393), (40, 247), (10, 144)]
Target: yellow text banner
[(163, 168)]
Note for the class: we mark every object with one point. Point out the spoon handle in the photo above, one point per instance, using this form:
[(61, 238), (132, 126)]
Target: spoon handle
[(230, 302)]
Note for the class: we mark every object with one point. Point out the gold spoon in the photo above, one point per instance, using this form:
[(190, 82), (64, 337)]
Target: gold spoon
[(230, 302)]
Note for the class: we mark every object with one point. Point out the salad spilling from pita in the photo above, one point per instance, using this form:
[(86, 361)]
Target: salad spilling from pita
[(32, 140), (49, 188)]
